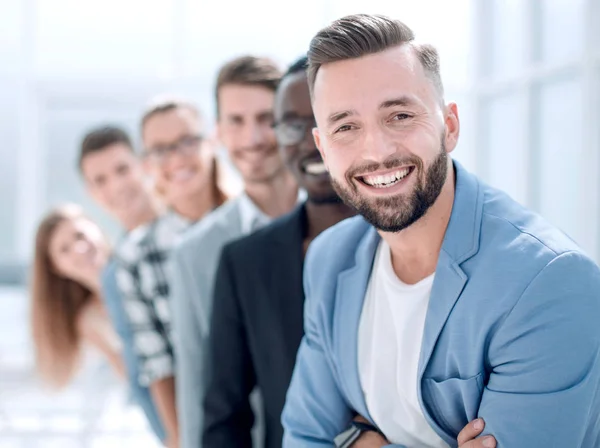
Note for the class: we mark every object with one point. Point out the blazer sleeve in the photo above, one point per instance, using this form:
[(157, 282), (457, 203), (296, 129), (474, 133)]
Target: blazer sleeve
[(190, 343), (315, 411), (543, 388), (228, 415)]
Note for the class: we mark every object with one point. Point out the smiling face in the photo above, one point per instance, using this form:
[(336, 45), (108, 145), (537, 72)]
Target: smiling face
[(384, 135), (78, 250), (114, 177), (178, 160), (245, 128), (295, 121)]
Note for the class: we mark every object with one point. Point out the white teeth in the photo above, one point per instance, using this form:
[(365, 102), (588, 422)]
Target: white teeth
[(316, 168), (386, 180)]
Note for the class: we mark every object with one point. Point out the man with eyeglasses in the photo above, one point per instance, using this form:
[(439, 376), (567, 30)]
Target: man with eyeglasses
[(256, 324), (245, 92), (184, 170)]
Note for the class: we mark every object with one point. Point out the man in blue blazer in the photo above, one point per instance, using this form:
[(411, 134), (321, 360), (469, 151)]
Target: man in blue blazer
[(446, 300)]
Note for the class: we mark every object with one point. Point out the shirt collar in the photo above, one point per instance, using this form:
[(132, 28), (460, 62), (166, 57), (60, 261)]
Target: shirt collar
[(176, 221), (253, 217)]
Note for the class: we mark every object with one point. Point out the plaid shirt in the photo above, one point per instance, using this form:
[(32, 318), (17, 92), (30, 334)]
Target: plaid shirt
[(142, 276)]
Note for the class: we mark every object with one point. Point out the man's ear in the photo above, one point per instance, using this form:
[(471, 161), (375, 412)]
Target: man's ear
[(317, 138), (452, 124)]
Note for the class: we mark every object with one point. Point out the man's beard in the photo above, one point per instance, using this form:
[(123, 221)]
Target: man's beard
[(396, 213), (325, 199)]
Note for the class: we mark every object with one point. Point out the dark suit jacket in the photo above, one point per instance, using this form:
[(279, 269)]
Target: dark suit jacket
[(256, 329)]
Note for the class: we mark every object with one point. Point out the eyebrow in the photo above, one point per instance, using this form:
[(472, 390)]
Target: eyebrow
[(401, 101), (337, 116)]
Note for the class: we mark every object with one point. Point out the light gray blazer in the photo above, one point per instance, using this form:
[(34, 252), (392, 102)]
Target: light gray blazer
[(194, 264)]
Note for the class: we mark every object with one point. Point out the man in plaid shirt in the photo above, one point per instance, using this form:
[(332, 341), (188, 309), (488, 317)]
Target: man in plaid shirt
[(143, 280), (184, 170)]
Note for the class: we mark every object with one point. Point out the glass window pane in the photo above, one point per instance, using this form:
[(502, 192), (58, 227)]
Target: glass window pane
[(465, 150), (562, 200), (509, 38), (9, 130), (280, 34), (506, 144), (445, 24), (104, 37), (10, 37), (596, 30), (562, 29)]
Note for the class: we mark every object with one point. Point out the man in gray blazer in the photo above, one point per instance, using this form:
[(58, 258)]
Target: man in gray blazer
[(245, 95)]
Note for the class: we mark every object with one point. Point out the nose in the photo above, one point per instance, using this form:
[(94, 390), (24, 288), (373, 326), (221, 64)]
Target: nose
[(119, 186), (174, 160), (81, 247), (377, 145), (116, 190), (257, 134)]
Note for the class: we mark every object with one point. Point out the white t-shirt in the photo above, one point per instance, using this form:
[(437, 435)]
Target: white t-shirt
[(389, 345)]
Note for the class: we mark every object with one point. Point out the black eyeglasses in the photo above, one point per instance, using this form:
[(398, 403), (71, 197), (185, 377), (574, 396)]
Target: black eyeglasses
[(293, 131), (186, 145)]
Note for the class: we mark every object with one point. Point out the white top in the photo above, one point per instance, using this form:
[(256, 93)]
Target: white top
[(252, 217), (389, 345)]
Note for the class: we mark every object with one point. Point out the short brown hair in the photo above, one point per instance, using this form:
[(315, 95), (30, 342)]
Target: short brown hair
[(362, 34), (248, 71), (101, 138), (164, 104)]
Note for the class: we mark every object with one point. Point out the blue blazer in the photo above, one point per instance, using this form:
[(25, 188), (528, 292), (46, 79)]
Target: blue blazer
[(512, 332)]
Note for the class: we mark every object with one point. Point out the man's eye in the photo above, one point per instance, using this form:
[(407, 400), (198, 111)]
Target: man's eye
[(344, 128)]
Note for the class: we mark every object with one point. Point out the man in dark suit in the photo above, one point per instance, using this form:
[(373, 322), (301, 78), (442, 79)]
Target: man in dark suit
[(257, 317)]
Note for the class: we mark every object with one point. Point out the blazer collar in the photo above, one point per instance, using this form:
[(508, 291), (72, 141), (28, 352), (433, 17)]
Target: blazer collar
[(463, 233), (292, 227)]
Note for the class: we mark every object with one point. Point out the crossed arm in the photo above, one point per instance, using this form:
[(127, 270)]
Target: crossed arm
[(468, 437)]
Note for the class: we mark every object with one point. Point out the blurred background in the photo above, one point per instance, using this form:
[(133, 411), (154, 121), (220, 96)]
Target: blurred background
[(525, 75)]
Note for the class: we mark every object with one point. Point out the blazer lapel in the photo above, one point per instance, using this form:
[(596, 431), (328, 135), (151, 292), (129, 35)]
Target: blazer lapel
[(460, 243), (447, 286), (286, 276), (350, 293)]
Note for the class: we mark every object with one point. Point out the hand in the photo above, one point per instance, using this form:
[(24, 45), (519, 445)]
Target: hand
[(467, 437), (369, 439)]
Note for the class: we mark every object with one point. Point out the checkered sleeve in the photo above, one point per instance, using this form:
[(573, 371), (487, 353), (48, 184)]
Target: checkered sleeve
[(144, 302)]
